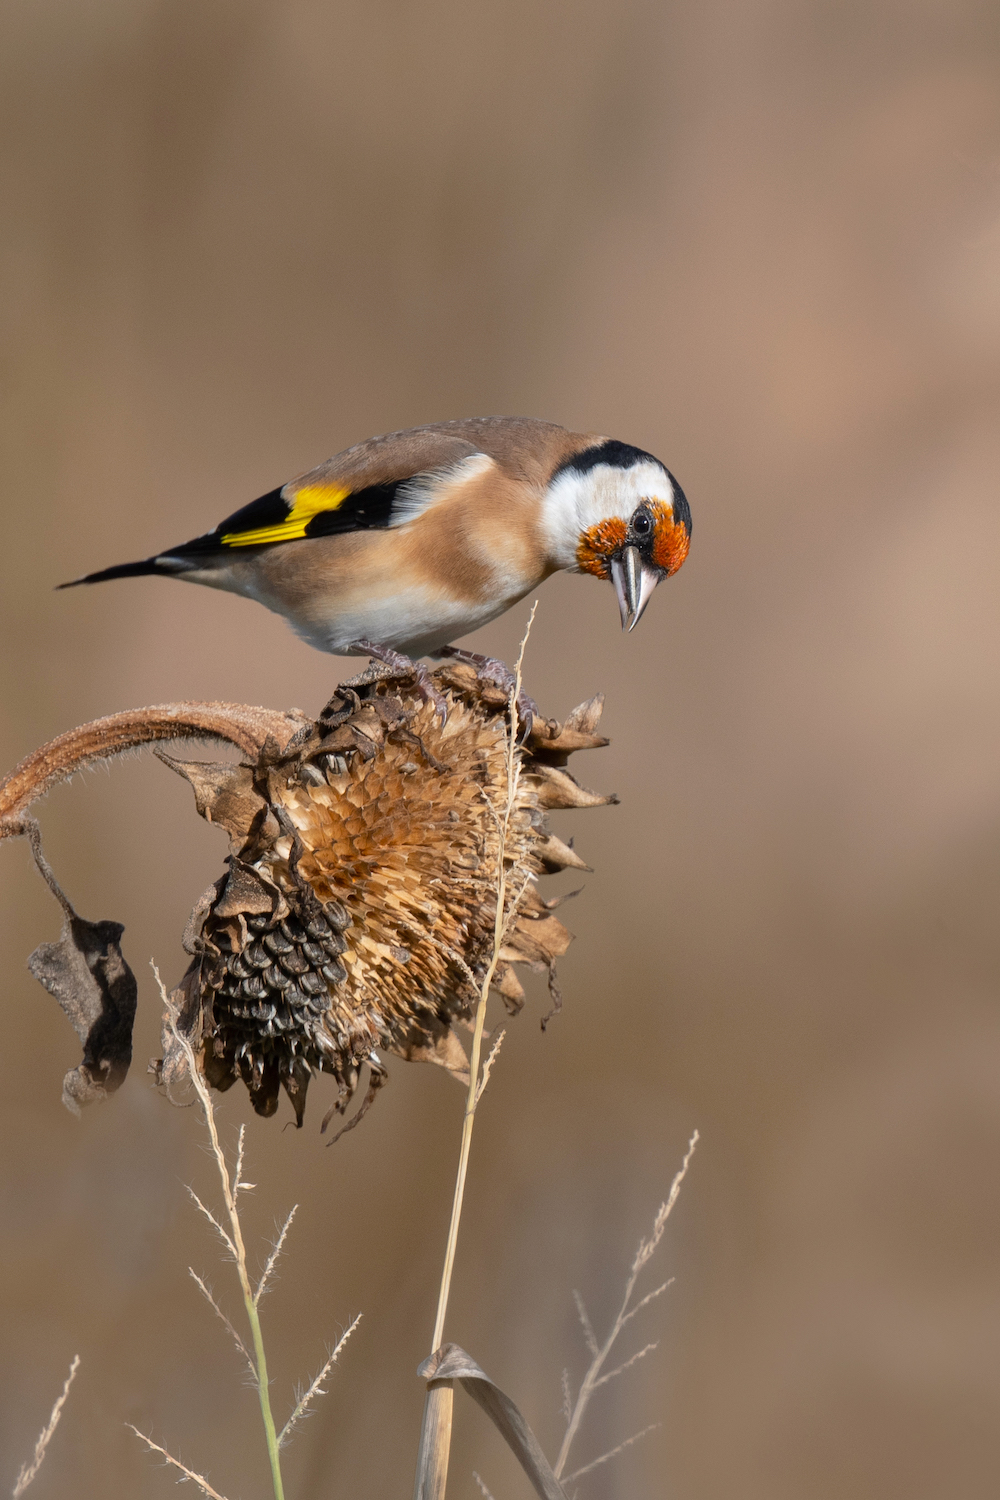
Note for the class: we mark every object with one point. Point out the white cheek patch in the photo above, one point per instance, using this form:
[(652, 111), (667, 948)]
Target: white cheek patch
[(567, 501), (575, 501)]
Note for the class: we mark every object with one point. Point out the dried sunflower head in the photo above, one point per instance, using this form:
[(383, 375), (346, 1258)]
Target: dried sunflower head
[(357, 913)]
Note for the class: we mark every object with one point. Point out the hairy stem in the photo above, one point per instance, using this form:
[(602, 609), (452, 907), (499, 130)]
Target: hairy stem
[(234, 723)]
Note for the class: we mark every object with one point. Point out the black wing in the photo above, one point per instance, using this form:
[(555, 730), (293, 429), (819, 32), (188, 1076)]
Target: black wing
[(315, 510)]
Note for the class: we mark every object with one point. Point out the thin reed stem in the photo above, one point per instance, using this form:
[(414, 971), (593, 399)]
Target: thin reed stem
[(475, 1052), (435, 1434)]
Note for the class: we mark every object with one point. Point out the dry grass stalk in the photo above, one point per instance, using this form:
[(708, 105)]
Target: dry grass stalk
[(596, 1375), (435, 1437), (175, 1463), (613, 1452), (315, 1387), (508, 861), (29, 1470), (232, 1186), (210, 1299), (488, 1064), (276, 1248)]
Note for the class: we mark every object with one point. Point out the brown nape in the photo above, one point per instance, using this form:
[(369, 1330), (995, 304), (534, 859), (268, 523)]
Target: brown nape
[(525, 449)]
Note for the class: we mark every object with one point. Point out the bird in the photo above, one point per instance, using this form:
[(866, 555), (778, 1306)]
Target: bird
[(398, 545)]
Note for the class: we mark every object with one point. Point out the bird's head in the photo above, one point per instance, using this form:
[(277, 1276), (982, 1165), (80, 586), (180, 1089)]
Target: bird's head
[(618, 513)]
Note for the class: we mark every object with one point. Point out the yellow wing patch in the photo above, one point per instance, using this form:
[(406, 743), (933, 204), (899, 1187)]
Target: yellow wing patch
[(309, 501)]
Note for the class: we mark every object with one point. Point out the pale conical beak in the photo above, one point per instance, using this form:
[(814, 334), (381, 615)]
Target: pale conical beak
[(634, 583)]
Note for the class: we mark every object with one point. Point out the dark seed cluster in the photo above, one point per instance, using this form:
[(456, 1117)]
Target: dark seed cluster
[(283, 974), (268, 1001)]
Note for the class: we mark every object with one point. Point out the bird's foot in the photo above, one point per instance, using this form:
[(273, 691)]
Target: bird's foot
[(490, 669), (426, 686)]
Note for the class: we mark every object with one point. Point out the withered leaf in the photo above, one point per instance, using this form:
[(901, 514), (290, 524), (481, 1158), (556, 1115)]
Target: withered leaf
[(557, 788), (555, 855), (451, 1362), (586, 716), (223, 792), (433, 1041), (87, 974), (510, 988), (246, 890), (377, 1079), (365, 733), (536, 940)]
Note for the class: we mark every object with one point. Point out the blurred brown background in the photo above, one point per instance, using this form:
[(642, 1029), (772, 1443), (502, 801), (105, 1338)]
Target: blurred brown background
[(762, 241)]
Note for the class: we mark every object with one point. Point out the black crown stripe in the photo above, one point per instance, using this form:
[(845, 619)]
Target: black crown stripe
[(617, 455)]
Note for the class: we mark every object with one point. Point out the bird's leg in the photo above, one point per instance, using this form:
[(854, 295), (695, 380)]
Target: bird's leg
[(493, 670), (426, 686)]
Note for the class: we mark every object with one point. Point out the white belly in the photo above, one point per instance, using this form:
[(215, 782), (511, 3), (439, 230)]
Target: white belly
[(415, 622)]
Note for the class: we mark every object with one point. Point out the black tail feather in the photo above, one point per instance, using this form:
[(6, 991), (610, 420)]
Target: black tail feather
[(124, 570)]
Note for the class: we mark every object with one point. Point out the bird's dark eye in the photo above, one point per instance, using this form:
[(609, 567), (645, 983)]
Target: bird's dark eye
[(642, 523)]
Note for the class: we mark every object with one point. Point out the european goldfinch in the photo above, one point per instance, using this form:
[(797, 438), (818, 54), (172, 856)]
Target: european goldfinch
[(398, 545)]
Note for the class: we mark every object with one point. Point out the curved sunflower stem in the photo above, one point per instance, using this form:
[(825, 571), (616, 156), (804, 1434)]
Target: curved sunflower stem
[(233, 723)]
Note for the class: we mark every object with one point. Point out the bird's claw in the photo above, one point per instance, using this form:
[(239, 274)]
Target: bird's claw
[(427, 688), (491, 669), (431, 693)]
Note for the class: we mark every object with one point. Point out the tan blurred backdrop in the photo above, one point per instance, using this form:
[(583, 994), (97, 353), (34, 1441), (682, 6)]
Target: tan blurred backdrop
[(762, 241)]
